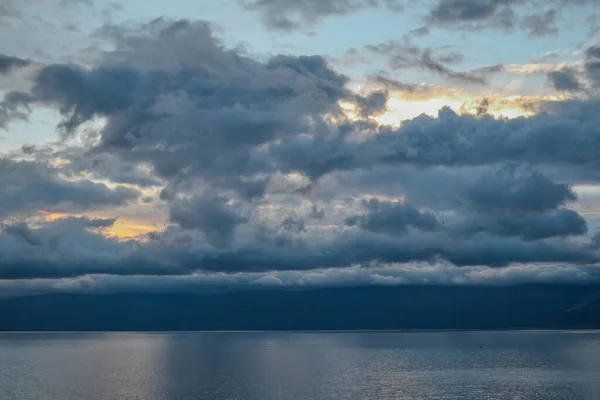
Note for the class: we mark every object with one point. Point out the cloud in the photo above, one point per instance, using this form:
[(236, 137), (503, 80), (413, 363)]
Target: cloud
[(530, 226), (519, 190), (76, 2), (106, 166), (22, 231), (395, 85), (243, 103), (74, 247), (82, 94), (8, 10), (263, 175), (543, 24), (584, 78), (28, 186), (428, 274), (211, 215), (503, 15), (455, 140), (393, 218), (456, 12), (9, 63), (373, 104), (403, 54), (288, 15), (565, 80), (592, 66)]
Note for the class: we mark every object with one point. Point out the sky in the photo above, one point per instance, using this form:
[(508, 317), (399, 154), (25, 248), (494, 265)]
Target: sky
[(182, 146)]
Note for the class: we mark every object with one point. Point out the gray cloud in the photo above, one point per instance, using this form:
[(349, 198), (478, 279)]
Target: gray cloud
[(456, 140), (22, 231), (592, 66), (76, 2), (530, 226), (435, 274), (27, 186), (105, 165), (455, 12), (8, 10), (386, 217), (294, 224), (542, 24), (393, 84), (244, 104), (402, 54), (81, 252), (9, 63), (519, 190), (505, 15), (294, 14), (211, 215), (565, 80), (373, 104), (266, 174), (584, 80)]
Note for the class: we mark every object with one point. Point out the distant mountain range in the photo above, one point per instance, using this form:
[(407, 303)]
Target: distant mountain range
[(358, 308)]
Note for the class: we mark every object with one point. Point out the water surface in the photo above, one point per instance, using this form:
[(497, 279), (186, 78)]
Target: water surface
[(320, 366)]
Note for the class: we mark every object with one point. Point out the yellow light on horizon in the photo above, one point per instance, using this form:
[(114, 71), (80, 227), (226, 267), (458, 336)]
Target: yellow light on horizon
[(400, 109)]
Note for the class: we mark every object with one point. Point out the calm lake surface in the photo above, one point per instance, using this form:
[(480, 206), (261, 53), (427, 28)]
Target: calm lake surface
[(320, 366)]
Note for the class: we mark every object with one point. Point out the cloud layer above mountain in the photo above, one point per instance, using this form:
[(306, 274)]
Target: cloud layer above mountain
[(274, 171)]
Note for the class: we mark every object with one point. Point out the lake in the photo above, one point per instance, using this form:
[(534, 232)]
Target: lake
[(320, 366)]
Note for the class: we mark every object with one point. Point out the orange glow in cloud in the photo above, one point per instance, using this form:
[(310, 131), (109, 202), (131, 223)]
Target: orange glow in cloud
[(123, 228), (126, 228), (53, 216)]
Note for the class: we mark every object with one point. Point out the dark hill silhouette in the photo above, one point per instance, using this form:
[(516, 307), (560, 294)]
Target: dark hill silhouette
[(401, 307)]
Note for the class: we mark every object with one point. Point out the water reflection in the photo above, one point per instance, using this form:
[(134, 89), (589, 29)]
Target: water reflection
[(440, 365)]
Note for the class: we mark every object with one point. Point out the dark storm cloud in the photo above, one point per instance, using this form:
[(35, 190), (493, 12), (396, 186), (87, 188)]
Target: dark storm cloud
[(9, 63), (372, 249), (29, 186), (209, 214), (22, 231), (530, 226), (565, 80), (393, 218), (593, 52), (592, 66), (518, 190), (293, 14), (71, 247), (82, 94)]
